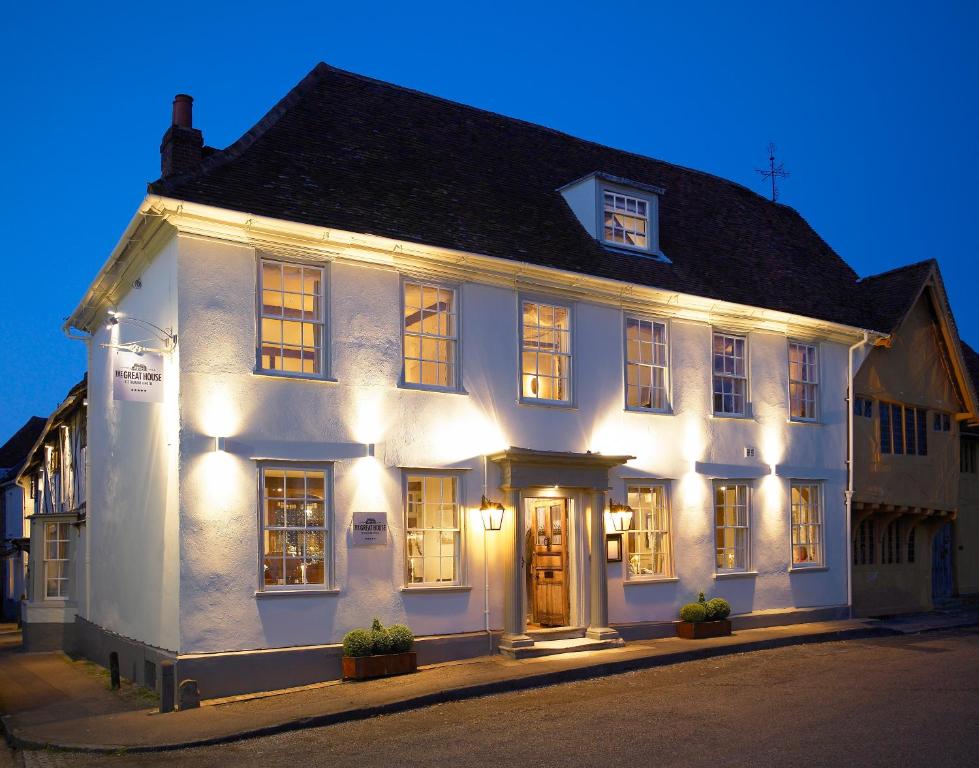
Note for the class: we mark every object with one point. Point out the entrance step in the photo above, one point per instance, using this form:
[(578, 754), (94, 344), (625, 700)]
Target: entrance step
[(555, 633), (554, 647)]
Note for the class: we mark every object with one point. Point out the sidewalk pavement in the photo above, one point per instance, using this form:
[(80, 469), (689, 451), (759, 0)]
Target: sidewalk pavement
[(52, 701)]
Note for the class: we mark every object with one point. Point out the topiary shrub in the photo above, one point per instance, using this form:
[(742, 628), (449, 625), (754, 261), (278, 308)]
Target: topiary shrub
[(380, 638), (401, 638), (693, 612), (358, 642), (718, 608)]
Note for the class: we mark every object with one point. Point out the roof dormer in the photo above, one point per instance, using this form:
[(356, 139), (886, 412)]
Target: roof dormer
[(623, 215)]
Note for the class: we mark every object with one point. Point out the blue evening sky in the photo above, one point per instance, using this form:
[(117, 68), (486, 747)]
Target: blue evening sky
[(873, 107)]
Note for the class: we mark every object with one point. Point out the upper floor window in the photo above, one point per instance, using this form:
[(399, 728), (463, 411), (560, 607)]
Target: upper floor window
[(730, 375), (803, 380), (648, 540), (433, 529), (863, 406), (967, 457), (545, 352), (646, 364), (943, 422), (903, 430), (626, 220), (291, 318), (732, 526), (807, 524), (294, 524), (430, 336)]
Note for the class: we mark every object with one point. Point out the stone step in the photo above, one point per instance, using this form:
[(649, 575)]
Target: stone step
[(555, 633), (554, 647)]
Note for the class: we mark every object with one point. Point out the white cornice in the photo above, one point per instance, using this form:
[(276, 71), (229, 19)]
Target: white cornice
[(193, 219)]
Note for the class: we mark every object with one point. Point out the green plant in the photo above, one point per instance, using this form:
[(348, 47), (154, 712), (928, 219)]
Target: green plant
[(358, 642), (401, 638), (380, 638), (718, 608), (702, 600), (693, 612)]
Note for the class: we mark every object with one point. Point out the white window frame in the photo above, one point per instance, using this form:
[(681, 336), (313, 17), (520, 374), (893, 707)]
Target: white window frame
[(453, 338), (328, 527), (626, 196), (722, 485), (322, 321), (667, 399), (636, 530), (62, 530), (819, 526), (407, 475), (553, 303), (805, 383), (734, 377)]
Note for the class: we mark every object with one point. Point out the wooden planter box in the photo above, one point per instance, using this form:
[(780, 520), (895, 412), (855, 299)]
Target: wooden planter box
[(384, 665), (702, 629)]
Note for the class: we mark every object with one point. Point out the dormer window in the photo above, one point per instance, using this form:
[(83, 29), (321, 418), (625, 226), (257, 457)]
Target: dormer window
[(626, 220)]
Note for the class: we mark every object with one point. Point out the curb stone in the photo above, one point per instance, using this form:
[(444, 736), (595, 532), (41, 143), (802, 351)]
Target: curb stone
[(464, 693)]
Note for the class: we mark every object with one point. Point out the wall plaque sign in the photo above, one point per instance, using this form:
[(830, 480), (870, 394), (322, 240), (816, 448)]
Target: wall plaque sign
[(137, 378), (370, 529)]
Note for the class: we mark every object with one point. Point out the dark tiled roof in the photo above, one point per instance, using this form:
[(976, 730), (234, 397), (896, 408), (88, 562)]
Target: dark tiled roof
[(345, 151), (887, 297), (15, 450), (971, 363)]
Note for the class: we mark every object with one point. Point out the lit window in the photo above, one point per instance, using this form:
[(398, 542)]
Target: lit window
[(943, 422), (731, 526), (730, 375), (295, 534), (291, 318), (903, 430), (430, 336), (545, 352), (626, 220), (646, 364), (807, 524), (648, 540), (56, 560), (803, 380), (432, 529), (864, 543)]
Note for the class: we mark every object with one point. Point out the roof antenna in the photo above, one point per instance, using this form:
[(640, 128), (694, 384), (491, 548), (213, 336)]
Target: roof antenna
[(774, 172)]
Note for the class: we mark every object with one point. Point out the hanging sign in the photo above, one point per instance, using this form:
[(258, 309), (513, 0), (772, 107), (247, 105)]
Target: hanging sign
[(370, 528), (137, 378)]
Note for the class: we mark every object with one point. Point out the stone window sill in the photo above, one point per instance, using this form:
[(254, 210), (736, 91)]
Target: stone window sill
[(296, 593), (736, 575)]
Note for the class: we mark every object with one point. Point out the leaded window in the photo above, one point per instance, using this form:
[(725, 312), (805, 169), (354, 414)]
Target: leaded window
[(295, 532), (864, 543), (646, 364), (807, 524), (903, 429), (892, 543), (730, 375), (803, 380), (430, 335), (56, 560), (648, 539), (626, 220), (291, 318), (433, 529), (731, 526), (545, 352)]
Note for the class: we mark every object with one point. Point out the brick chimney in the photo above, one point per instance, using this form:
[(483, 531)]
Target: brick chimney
[(180, 150)]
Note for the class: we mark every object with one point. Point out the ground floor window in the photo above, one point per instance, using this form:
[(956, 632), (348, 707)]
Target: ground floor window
[(911, 543), (56, 560), (892, 543), (295, 531), (433, 530), (648, 540), (863, 543), (807, 524), (731, 525)]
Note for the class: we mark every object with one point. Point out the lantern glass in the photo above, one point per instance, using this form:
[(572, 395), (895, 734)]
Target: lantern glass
[(492, 515), (618, 521)]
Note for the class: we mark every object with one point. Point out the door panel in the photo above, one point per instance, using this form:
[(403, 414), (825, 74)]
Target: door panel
[(549, 563)]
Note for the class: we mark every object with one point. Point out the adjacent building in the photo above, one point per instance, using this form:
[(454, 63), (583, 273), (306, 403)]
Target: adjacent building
[(314, 355)]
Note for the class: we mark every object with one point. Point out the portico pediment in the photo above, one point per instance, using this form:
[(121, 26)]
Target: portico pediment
[(529, 468)]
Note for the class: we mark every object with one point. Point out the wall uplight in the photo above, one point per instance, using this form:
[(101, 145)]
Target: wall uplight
[(492, 514), (618, 518), (219, 443)]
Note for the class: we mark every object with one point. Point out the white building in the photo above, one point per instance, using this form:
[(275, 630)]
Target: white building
[(381, 304)]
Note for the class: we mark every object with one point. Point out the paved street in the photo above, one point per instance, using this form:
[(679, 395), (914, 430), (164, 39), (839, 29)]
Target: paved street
[(907, 701)]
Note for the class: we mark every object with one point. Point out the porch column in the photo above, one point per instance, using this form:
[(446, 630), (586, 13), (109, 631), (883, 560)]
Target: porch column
[(514, 614), (598, 628)]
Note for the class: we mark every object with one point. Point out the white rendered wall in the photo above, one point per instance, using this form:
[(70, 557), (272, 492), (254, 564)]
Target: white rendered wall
[(262, 416), (132, 522)]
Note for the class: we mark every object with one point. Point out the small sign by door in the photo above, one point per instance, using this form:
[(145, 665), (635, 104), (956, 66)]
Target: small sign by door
[(370, 529)]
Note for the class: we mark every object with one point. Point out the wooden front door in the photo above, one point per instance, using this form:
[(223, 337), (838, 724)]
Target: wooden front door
[(549, 562)]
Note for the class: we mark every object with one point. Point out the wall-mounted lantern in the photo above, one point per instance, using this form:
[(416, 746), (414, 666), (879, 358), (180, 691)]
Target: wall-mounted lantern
[(618, 518), (492, 514)]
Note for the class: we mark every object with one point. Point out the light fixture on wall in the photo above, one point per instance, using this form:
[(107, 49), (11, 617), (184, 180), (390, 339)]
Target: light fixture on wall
[(618, 518), (492, 513), (219, 444)]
